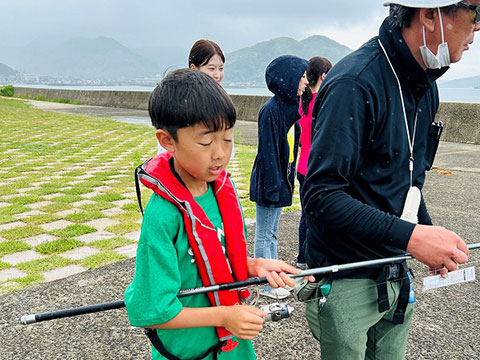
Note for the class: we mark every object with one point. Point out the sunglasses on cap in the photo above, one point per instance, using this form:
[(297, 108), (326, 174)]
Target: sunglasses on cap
[(476, 8)]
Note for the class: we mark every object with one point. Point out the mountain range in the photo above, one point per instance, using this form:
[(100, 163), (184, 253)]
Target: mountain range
[(107, 59), (97, 58), (6, 71), (104, 58), (248, 64)]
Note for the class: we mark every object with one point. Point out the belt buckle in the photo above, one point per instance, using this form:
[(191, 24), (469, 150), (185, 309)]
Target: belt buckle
[(393, 272)]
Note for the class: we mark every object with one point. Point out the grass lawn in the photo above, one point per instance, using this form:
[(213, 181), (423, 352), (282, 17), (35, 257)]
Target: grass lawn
[(66, 185)]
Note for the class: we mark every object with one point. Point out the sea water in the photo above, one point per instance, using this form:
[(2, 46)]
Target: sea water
[(467, 95)]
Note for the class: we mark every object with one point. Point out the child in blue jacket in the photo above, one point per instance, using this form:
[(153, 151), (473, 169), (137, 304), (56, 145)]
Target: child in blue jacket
[(273, 174)]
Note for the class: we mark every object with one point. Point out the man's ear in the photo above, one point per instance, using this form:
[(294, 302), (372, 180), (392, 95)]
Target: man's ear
[(165, 140), (427, 18)]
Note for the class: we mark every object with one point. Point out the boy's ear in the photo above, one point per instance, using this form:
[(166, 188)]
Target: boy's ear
[(165, 140), (193, 67)]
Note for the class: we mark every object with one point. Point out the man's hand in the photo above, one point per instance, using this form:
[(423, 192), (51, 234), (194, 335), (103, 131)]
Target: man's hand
[(437, 247), (434, 271)]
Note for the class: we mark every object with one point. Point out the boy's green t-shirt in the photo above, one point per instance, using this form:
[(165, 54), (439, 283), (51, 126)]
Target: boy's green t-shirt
[(165, 265)]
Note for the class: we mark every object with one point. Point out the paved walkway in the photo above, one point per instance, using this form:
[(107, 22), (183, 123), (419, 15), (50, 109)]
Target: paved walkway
[(247, 129)]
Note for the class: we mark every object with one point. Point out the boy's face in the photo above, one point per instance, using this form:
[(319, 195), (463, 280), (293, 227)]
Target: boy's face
[(200, 155)]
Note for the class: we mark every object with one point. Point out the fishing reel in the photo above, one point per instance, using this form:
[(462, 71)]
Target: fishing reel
[(276, 311)]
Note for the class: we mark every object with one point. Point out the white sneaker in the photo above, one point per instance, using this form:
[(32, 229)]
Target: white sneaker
[(277, 293)]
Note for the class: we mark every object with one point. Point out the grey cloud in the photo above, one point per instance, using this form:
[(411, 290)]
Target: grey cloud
[(234, 23)]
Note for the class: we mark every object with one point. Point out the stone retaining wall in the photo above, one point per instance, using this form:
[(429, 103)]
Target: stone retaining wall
[(461, 120)]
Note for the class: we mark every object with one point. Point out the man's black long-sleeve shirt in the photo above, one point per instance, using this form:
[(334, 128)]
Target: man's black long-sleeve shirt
[(358, 171)]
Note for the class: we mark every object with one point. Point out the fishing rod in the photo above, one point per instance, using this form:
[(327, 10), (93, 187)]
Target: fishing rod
[(88, 309)]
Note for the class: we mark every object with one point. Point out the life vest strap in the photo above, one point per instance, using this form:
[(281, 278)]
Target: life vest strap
[(158, 345)]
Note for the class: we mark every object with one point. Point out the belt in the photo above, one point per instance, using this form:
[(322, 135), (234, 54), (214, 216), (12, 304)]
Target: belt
[(393, 272)]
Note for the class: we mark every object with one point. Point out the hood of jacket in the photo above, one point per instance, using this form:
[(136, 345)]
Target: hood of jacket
[(283, 75)]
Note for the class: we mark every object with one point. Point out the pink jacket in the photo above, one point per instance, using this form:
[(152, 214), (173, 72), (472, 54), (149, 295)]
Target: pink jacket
[(306, 136)]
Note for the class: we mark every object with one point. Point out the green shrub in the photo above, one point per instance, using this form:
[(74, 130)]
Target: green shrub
[(7, 90), (40, 98)]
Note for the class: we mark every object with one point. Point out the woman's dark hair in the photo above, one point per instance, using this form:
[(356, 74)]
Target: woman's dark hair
[(401, 16), (202, 51), (317, 66), (187, 97)]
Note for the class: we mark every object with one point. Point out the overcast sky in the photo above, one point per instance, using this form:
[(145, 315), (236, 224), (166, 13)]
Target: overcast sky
[(232, 23)]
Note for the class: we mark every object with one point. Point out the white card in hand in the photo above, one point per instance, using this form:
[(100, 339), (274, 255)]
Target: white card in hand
[(453, 277)]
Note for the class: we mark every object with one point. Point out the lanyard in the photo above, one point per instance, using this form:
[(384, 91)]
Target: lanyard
[(411, 140)]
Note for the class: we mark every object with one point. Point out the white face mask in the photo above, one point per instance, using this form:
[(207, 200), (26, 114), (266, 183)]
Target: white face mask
[(442, 58)]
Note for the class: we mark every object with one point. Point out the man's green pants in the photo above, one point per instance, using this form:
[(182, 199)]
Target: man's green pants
[(349, 326)]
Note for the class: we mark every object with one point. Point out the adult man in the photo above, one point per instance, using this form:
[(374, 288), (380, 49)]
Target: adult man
[(374, 138)]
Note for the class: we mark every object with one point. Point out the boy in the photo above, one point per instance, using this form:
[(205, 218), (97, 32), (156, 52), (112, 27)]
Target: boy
[(273, 173), (193, 232)]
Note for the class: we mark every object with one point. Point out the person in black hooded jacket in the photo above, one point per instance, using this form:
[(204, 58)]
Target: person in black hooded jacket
[(273, 174)]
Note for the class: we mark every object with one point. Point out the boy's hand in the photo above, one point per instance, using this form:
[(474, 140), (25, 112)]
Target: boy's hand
[(274, 270), (243, 321)]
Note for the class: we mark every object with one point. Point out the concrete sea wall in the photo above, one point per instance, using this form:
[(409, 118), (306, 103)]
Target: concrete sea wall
[(137, 100), (461, 120)]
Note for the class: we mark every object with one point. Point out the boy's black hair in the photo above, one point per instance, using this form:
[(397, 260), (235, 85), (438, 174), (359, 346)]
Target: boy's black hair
[(187, 97)]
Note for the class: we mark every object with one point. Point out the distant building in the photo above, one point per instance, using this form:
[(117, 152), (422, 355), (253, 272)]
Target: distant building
[(29, 78)]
